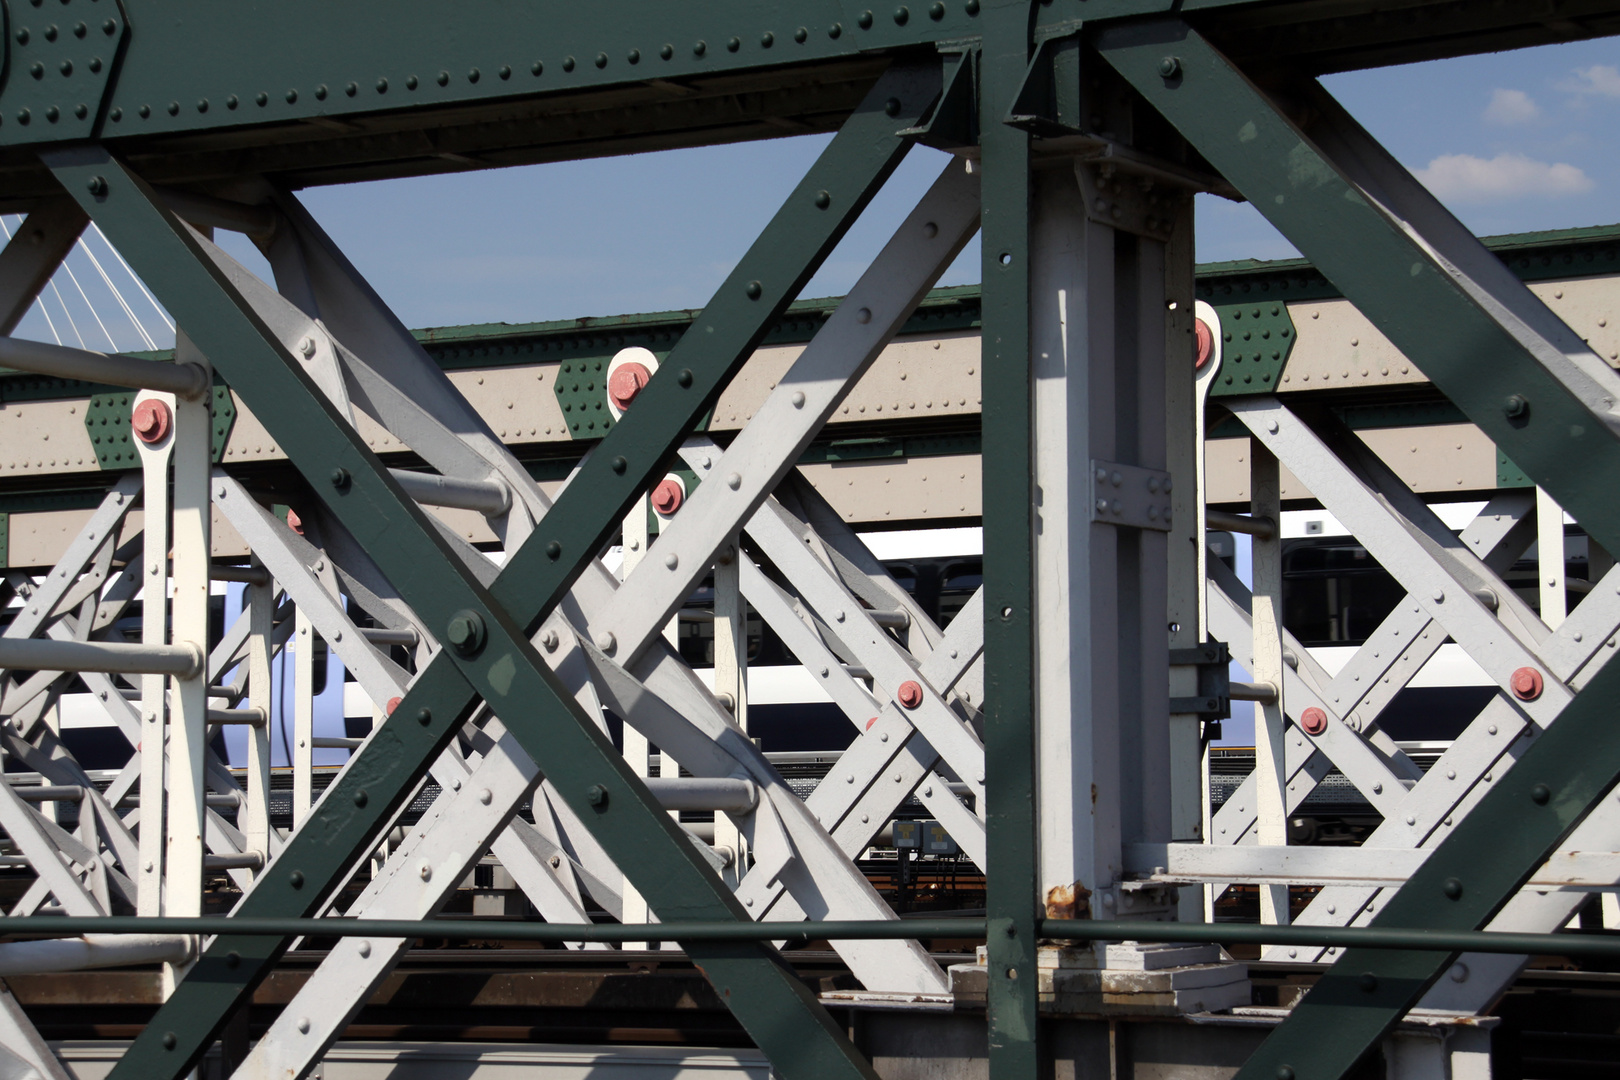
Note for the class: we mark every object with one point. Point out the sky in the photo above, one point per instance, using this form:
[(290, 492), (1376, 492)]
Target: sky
[(1509, 142)]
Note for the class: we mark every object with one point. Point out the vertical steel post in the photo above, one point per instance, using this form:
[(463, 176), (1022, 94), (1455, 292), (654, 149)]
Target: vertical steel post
[(1550, 560), (1012, 887), (303, 747), (155, 459), (636, 747), (188, 697), (731, 676), (1270, 720), (261, 602)]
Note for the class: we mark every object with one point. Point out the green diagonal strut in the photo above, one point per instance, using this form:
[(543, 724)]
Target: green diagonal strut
[(1400, 283), (498, 664)]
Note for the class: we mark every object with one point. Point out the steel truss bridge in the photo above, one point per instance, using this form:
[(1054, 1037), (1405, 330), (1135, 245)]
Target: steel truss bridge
[(1055, 728)]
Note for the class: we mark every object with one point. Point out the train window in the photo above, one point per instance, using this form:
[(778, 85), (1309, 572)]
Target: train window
[(958, 582), (1334, 592)]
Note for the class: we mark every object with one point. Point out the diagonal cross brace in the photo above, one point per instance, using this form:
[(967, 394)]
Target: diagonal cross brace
[(1517, 372), (502, 668)]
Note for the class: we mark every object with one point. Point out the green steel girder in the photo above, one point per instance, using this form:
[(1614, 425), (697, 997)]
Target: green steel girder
[(1398, 282), (1391, 276), (195, 58), (1012, 878), (496, 662)]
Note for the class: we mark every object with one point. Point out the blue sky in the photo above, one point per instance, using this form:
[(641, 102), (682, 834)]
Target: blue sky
[(1510, 141)]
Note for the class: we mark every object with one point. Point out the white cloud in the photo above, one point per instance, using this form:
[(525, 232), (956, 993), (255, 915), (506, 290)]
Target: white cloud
[(1600, 80), (1465, 178), (1511, 107)]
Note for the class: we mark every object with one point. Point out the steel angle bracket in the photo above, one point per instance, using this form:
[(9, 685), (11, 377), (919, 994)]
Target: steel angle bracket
[(953, 122), (1049, 102), (490, 656)]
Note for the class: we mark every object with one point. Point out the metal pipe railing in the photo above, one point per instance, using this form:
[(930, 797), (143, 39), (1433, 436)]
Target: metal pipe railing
[(187, 380), (488, 497), (1262, 528), (38, 654), (1367, 937)]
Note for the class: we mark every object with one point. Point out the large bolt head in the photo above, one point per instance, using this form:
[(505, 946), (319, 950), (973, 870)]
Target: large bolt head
[(1313, 720), (151, 420), (626, 382), (668, 496), (465, 632), (1526, 684), (1205, 337), (910, 695)]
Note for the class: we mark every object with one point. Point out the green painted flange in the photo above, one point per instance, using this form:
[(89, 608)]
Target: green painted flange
[(61, 61), (106, 418), (1256, 339), (581, 387)]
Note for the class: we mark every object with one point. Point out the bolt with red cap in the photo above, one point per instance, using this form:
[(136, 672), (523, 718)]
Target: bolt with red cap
[(151, 420), (1313, 720), (1526, 684), (668, 495), (910, 694), (628, 374)]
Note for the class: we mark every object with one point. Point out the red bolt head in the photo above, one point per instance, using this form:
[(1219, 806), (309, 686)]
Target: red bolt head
[(294, 522), (626, 382), (668, 496), (910, 695), (151, 420), (870, 722), (1206, 344), (393, 703), (1313, 720), (1526, 684)]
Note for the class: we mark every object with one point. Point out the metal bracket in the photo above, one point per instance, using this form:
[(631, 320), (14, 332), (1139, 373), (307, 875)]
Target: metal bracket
[(1130, 495), (1214, 699)]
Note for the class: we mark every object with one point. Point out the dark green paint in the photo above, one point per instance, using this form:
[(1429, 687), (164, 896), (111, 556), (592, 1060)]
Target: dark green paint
[(1256, 339), (1380, 938), (194, 65), (1391, 277), (777, 1011), (1012, 876), (61, 59)]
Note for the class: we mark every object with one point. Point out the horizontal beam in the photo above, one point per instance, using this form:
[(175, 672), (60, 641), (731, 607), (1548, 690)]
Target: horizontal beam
[(35, 654), (187, 380), (800, 932), (1183, 864)]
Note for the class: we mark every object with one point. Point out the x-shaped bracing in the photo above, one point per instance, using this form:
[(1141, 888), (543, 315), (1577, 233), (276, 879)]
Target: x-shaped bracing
[(493, 661)]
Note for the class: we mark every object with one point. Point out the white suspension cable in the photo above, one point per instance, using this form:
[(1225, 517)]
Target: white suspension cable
[(68, 314), (164, 315), (117, 295), (111, 341), (38, 300)]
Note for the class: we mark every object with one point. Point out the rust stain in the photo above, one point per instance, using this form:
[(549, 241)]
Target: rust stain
[(1068, 902), (1093, 794)]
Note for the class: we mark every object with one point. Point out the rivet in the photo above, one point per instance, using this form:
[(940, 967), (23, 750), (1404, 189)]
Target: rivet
[(473, 75), (424, 717), (734, 481), (596, 795), (361, 798), (798, 399), (754, 290), (548, 640), (1540, 794), (553, 549), (296, 879), (823, 200), (901, 15), (892, 106), (382, 86), (672, 560), (363, 947), (425, 872), (303, 1025), (1453, 888)]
